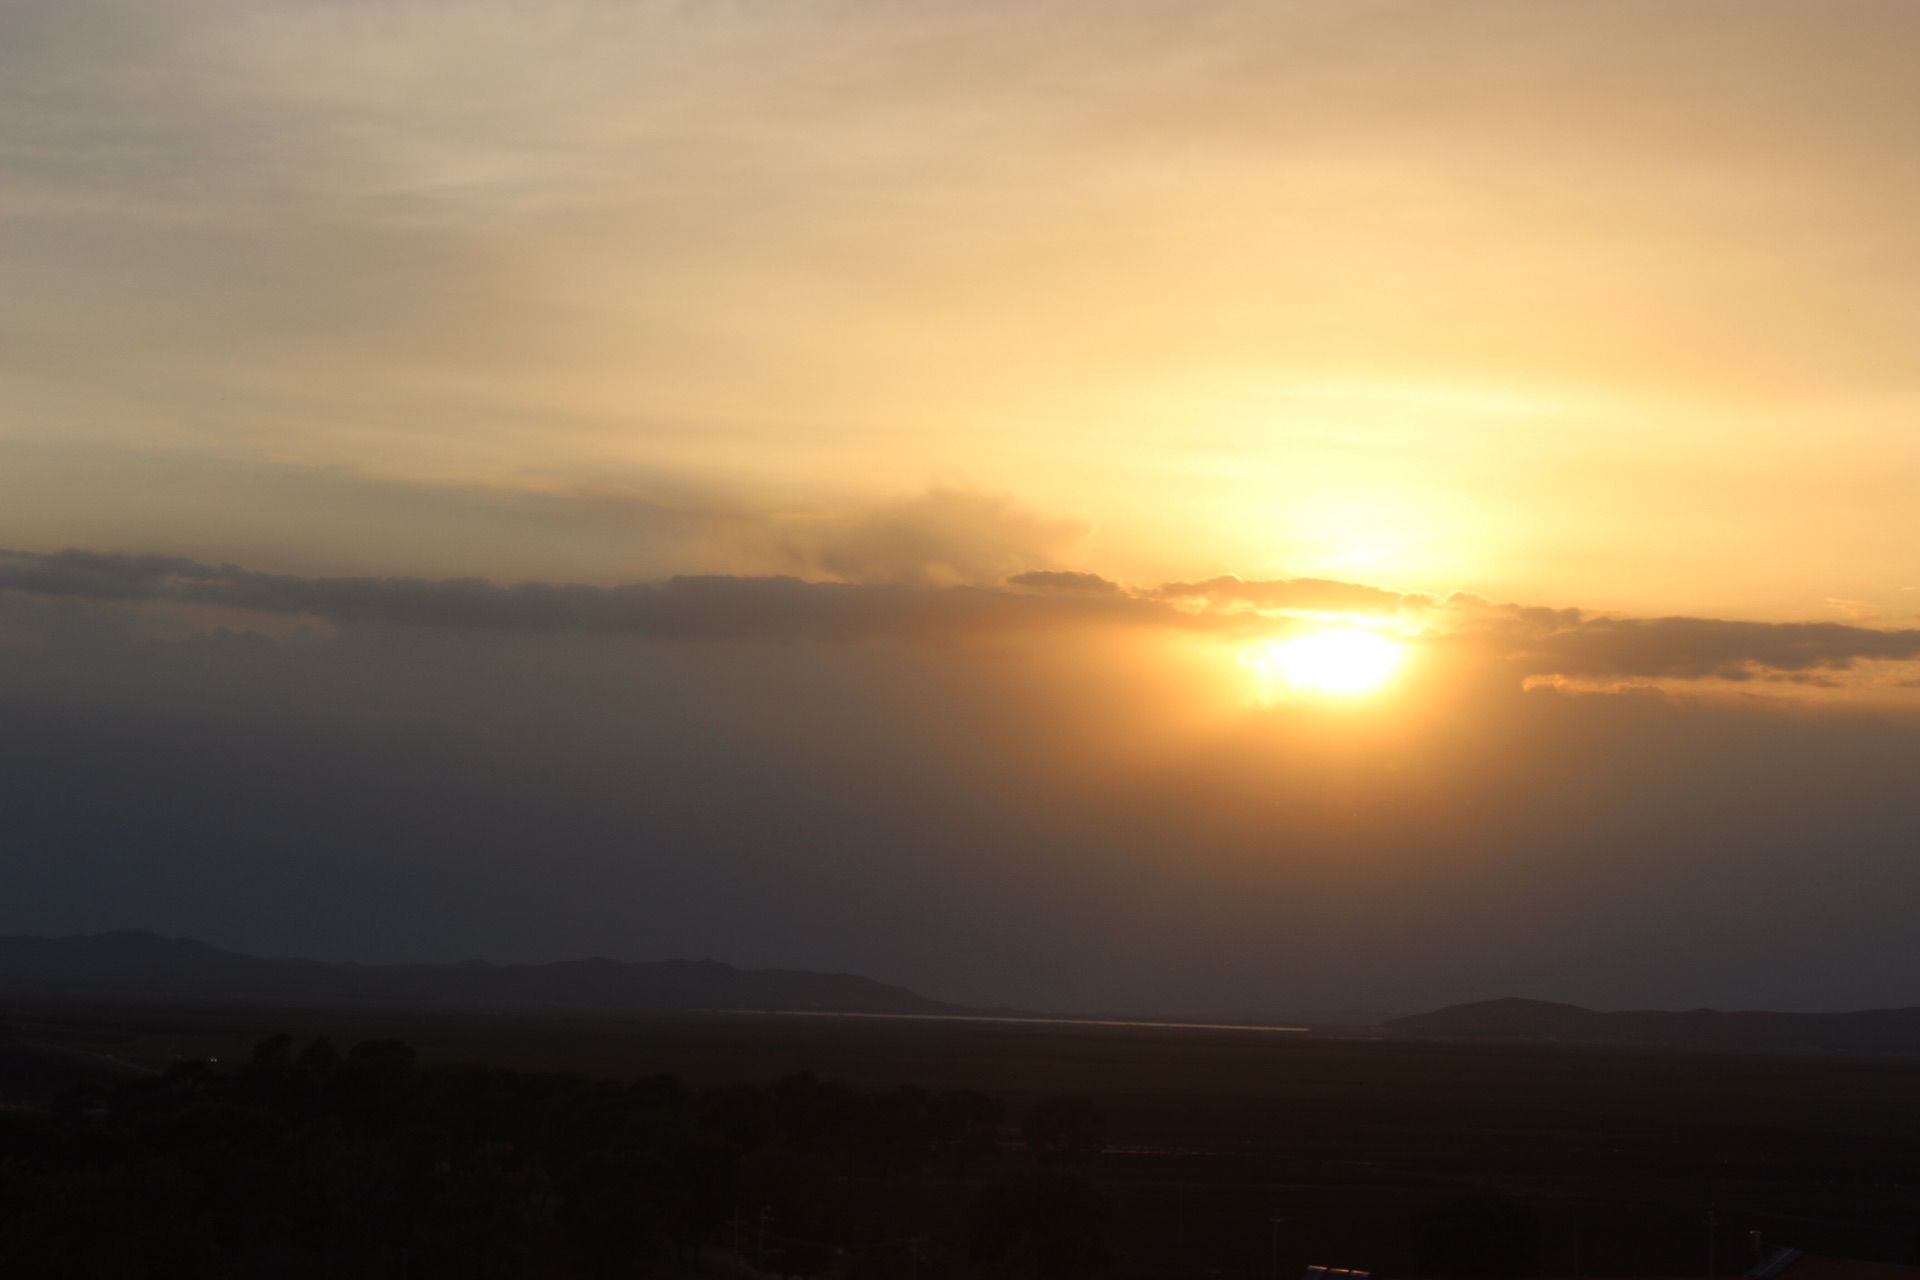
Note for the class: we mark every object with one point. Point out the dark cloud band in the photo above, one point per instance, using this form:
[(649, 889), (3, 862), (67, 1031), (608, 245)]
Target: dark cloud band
[(1538, 641), (703, 607), (1711, 648)]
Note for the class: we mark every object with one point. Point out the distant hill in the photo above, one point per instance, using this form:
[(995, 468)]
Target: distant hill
[(1867, 1031), (137, 965)]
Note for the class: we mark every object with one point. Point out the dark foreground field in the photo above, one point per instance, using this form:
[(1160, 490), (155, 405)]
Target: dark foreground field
[(1401, 1158)]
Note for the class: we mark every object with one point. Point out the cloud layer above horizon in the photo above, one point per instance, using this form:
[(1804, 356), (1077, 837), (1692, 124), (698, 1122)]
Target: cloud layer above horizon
[(1538, 642)]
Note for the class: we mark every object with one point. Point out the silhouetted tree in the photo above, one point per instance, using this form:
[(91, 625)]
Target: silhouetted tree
[(274, 1054), (319, 1056), (314, 1163)]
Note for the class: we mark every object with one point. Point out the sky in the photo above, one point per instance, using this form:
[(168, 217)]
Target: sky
[(867, 486)]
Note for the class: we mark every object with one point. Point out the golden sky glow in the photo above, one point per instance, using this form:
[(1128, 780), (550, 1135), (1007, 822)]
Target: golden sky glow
[(1594, 304), (1376, 495)]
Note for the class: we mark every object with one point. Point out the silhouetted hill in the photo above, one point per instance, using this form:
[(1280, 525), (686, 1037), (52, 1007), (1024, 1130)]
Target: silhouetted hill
[(145, 966), (1862, 1031)]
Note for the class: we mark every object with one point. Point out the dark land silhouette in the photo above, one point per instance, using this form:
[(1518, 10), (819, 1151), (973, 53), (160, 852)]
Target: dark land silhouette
[(1865, 1031), (136, 964), (231, 1139), (172, 1109)]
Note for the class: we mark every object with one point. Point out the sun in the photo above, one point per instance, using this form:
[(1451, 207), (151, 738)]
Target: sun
[(1342, 660)]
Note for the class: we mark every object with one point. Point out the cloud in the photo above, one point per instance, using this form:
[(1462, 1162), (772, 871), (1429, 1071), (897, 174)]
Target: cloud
[(944, 537), (95, 576), (1709, 648), (711, 607), (1065, 580), (1536, 641), (1316, 594)]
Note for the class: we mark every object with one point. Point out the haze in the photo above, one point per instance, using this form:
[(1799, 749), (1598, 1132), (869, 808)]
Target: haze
[(838, 485)]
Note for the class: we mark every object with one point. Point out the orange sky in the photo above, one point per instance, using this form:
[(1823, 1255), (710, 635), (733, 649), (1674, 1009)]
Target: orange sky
[(1596, 304)]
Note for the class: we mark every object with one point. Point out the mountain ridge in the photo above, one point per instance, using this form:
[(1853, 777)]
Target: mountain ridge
[(141, 964), (1514, 1019)]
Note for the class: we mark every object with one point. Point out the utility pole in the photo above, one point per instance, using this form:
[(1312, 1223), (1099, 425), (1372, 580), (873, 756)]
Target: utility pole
[(1713, 1222), (1273, 1267)]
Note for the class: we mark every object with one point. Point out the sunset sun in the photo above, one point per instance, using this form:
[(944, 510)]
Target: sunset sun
[(1343, 660)]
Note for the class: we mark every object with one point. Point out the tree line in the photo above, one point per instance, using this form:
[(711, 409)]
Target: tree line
[(312, 1162)]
